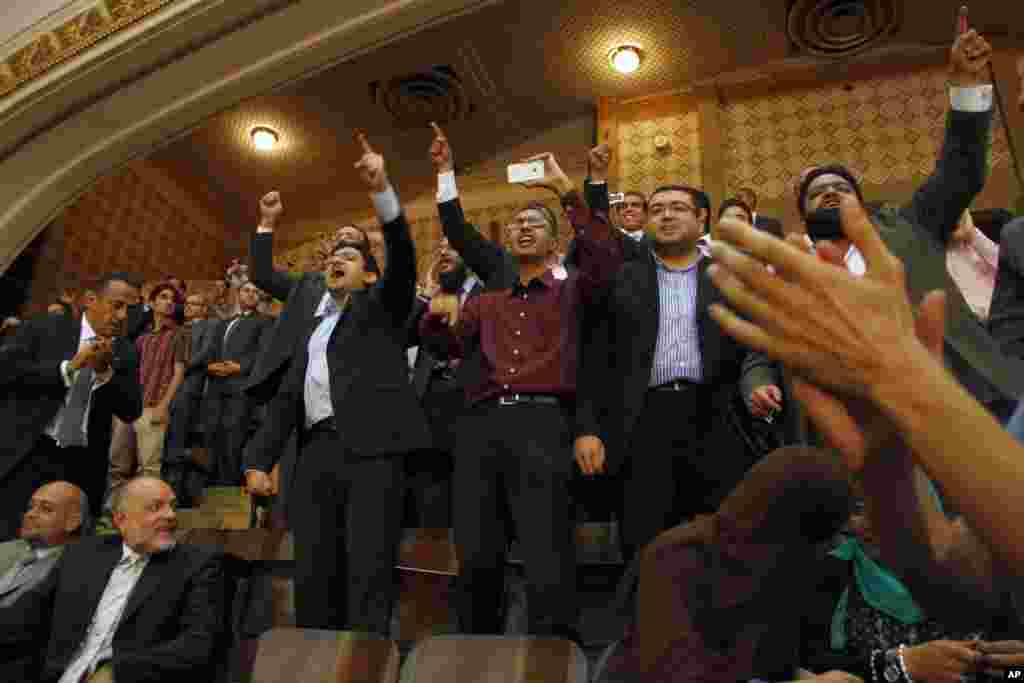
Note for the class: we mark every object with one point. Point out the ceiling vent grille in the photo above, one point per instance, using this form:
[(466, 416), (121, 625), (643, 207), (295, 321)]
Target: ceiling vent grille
[(417, 99), (840, 28)]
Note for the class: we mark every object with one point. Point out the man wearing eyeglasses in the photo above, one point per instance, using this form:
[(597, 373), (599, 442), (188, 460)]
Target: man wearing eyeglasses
[(670, 377)]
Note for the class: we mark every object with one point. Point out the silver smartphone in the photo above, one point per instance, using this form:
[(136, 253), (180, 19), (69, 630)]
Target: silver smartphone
[(526, 171), (616, 198)]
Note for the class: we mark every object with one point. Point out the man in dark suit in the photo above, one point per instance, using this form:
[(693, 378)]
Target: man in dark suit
[(348, 395), (57, 514), (229, 359), (62, 380), (772, 226), (186, 423), (434, 380), (136, 603), (917, 233), (301, 293), (667, 380)]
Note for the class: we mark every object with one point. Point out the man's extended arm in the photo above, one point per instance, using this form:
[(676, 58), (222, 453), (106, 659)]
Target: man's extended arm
[(277, 283), (398, 285)]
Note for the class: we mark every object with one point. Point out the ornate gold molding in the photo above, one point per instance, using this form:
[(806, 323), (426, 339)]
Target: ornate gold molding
[(57, 45)]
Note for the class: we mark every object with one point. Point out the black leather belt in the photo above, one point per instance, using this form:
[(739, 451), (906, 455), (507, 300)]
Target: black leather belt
[(328, 424), (676, 385), (516, 399)]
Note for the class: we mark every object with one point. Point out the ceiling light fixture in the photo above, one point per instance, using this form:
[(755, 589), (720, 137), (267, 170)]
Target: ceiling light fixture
[(263, 138), (626, 58)]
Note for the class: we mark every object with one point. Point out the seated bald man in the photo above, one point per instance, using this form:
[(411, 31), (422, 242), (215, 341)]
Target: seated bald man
[(137, 602), (57, 514)]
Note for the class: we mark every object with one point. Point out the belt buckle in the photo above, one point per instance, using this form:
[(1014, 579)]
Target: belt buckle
[(508, 400)]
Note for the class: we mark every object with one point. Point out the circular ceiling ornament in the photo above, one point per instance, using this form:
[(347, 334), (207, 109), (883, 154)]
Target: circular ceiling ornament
[(840, 28), (417, 99)]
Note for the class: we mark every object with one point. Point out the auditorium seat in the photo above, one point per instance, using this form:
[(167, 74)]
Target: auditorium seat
[(288, 655), (494, 659)]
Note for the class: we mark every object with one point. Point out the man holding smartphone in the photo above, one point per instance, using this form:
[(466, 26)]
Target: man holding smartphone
[(520, 343)]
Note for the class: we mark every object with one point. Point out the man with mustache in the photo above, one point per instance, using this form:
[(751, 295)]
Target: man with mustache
[(919, 231), (63, 379)]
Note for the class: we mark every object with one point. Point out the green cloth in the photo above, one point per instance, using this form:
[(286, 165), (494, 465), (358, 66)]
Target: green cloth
[(879, 587)]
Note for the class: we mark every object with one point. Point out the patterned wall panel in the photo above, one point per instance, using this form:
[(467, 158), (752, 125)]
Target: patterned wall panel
[(643, 167), (884, 129), (125, 223)]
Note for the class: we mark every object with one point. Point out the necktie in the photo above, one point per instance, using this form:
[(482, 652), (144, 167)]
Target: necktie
[(72, 432)]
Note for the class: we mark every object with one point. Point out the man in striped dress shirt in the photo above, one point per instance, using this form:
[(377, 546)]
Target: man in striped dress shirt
[(670, 378)]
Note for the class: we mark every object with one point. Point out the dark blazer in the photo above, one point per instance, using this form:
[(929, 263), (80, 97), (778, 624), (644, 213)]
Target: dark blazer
[(301, 294), (32, 389), (370, 391), (243, 346), (1006, 313), (768, 224), (620, 384), (203, 339), (170, 630), (917, 233)]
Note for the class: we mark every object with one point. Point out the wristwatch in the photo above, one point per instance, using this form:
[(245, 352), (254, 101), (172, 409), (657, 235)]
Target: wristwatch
[(892, 671)]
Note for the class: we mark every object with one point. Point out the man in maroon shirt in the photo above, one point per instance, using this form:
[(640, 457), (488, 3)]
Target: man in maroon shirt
[(513, 446)]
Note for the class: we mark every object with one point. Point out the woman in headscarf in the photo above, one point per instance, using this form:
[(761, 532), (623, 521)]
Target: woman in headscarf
[(718, 599)]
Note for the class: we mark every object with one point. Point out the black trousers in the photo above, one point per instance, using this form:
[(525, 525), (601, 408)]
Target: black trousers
[(227, 433), (46, 462), (682, 460), (345, 516), (514, 460), (430, 473)]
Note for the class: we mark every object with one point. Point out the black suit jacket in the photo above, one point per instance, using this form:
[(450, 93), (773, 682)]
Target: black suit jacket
[(32, 389), (171, 628), (376, 408), (619, 384), (301, 295), (244, 346)]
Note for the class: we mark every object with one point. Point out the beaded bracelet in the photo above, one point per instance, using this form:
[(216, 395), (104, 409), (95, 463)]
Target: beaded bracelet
[(903, 664)]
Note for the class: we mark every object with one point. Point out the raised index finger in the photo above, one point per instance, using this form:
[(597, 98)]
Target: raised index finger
[(361, 138), (437, 130)]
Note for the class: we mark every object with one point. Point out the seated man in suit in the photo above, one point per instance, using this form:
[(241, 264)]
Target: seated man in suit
[(57, 514), (62, 380), (348, 395), (770, 225), (229, 361), (150, 609)]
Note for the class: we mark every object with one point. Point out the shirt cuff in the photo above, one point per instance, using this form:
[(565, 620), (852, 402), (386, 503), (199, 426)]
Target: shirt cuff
[(386, 204), (977, 98), (446, 188)]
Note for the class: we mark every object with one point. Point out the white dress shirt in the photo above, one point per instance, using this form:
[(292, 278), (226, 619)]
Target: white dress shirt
[(98, 644), (87, 335), (317, 391)]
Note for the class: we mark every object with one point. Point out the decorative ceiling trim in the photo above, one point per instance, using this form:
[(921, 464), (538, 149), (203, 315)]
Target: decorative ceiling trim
[(71, 38)]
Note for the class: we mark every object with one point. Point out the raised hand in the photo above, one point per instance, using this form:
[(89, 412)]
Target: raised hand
[(590, 454), (441, 151), (96, 355), (446, 306), (270, 209), (969, 60), (371, 167), (600, 157), (554, 177)]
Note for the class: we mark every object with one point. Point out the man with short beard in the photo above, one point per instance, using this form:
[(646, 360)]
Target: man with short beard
[(442, 398)]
